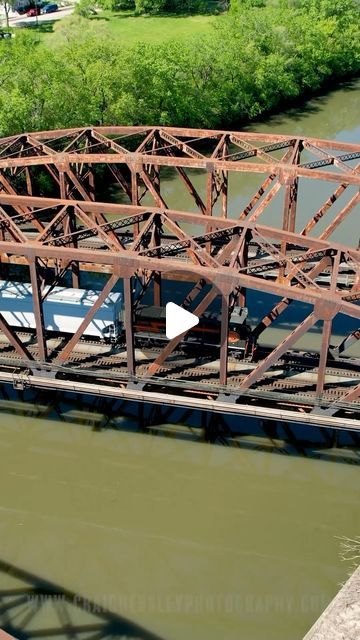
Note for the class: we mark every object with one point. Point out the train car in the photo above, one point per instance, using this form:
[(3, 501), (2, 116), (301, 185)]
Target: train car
[(150, 325), (64, 310)]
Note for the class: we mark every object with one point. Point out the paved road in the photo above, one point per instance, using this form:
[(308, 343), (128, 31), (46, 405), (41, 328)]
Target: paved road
[(23, 21)]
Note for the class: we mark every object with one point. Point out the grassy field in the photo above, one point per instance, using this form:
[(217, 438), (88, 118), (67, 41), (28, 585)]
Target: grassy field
[(130, 29), (153, 29)]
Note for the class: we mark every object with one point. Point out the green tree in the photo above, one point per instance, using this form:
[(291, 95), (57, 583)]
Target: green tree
[(85, 8), (149, 6), (252, 62), (8, 5)]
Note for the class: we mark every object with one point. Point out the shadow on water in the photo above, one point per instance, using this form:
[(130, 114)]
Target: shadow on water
[(305, 106), (32, 607), (101, 414)]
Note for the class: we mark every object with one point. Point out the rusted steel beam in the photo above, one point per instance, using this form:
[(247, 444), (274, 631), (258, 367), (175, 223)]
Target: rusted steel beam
[(152, 188), (76, 139), (148, 138), (14, 340), (6, 222), (20, 209), (223, 276), (64, 354), (121, 180), (76, 182), (333, 159), (182, 146), (286, 171), (340, 217), (194, 293), (325, 342), (175, 215), (224, 339), (156, 275), (50, 228), (38, 307), (109, 238), (243, 144), (63, 184), (290, 202), (129, 323), (253, 216), (189, 133), (349, 396), (191, 189), (108, 142), (347, 342), (144, 231), (29, 186), (274, 356)]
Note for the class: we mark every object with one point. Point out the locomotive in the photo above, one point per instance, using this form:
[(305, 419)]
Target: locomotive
[(150, 321)]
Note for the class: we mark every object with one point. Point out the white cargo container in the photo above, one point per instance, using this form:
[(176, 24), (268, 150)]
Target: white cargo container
[(64, 310)]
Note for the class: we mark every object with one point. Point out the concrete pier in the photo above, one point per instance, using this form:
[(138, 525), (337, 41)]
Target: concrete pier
[(341, 619)]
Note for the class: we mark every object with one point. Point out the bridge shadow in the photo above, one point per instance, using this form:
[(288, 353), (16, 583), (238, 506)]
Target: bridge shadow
[(32, 607), (101, 414)]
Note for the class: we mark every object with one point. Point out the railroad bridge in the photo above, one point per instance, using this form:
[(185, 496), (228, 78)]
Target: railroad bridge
[(59, 222)]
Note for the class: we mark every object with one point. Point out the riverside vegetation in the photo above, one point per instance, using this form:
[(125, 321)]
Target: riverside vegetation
[(254, 59)]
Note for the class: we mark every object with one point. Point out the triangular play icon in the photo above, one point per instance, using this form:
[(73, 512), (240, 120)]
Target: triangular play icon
[(178, 320)]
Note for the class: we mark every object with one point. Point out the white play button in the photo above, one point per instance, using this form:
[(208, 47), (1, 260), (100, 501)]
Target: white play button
[(178, 320)]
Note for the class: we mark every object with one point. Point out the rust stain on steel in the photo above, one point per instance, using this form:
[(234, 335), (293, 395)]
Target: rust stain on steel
[(74, 230)]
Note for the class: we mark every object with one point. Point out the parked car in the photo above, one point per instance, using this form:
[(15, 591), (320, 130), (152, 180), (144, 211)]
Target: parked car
[(49, 8), (34, 11)]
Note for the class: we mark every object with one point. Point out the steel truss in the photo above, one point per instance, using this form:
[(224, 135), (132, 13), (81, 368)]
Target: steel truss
[(54, 221)]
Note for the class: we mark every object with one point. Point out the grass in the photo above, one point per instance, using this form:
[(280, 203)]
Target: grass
[(130, 29), (154, 29)]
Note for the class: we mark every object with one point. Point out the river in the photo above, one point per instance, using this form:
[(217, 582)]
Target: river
[(190, 541)]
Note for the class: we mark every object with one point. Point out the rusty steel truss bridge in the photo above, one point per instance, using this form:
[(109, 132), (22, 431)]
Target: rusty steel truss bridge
[(59, 219)]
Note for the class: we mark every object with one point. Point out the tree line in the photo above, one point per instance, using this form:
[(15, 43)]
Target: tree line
[(254, 61), (156, 7)]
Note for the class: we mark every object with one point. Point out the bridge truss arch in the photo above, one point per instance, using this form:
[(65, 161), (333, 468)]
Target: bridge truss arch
[(59, 219)]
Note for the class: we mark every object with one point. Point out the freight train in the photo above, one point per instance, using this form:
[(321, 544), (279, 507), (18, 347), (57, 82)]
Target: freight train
[(65, 308)]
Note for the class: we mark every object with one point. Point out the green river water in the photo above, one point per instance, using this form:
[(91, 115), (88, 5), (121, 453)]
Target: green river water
[(189, 541)]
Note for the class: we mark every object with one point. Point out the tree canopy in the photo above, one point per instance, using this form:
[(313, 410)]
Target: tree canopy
[(254, 61)]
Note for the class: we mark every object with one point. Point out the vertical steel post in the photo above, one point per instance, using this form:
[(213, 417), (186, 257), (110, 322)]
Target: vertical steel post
[(326, 336), (224, 339), (75, 270), (38, 309), (290, 204), (135, 197), (91, 189), (28, 181), (209, 191), (157, 274), (243, 260), (129, 328), (63, 189), (327, 326)]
